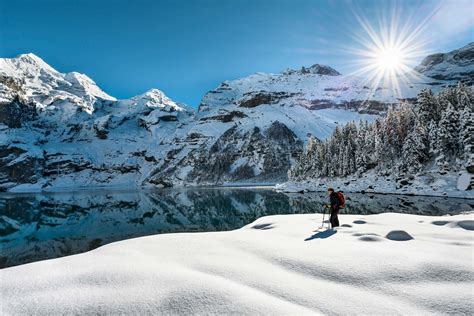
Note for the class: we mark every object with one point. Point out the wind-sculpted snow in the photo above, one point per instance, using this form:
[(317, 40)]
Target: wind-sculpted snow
[(290, 268)]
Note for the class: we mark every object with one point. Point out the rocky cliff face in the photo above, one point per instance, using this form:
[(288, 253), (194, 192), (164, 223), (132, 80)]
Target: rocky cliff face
[(61, 130)]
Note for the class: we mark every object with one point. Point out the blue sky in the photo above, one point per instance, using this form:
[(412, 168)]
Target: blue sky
[(186, 48)]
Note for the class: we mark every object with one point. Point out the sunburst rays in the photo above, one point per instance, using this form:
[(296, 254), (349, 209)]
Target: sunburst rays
[(388, 50)]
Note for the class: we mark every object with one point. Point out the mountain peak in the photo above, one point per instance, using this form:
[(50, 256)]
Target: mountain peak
[(155, 98), (317, 69), (83, 83), (34, 60)]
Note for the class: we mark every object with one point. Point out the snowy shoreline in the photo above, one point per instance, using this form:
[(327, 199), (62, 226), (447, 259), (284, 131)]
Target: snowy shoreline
[(374, 264), (443, 186), (286, 187), (117, 188)]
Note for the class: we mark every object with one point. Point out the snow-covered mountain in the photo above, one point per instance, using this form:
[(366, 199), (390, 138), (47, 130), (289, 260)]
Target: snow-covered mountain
[(61, 130), (455, 65), (31, 79)]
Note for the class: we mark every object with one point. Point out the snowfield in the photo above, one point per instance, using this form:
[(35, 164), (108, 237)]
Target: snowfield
[(374, 264)]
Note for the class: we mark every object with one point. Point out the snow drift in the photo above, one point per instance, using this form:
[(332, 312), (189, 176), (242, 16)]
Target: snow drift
[(375, 264)]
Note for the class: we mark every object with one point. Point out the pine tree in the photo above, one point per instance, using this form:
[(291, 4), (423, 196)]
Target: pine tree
[(427, 107), (448, 131), (433, 139), (361, 156), (322, 154), (390, 129), (405, 140), (379, 143), (446, 97), (415, 149), (405, 122), (465, 96), (466, 136)]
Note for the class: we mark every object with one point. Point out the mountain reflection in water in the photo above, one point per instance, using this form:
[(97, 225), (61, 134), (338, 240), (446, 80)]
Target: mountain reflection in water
[(35, 227)]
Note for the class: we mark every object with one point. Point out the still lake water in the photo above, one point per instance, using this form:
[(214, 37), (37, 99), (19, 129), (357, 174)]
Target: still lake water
[(35, 227)]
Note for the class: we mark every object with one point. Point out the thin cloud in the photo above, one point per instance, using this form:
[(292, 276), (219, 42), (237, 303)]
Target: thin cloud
[(454, 17)]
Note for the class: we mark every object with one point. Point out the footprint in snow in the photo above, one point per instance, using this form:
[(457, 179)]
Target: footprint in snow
[(370, 238), (367, 237), (439, 223), (263, 226), (359, 221), (398, 235)]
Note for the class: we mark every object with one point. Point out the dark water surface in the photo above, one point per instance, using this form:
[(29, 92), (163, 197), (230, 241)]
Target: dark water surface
[(35, 227)]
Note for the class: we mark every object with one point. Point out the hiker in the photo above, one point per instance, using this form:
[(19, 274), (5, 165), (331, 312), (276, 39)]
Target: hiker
[(334, 206)]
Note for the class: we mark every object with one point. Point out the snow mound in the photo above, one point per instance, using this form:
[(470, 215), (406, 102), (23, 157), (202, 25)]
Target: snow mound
[(288, 269), (464, 181)]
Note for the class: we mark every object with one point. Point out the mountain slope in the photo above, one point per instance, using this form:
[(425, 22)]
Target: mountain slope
[(61, 130), (456, 65), (427, 148)]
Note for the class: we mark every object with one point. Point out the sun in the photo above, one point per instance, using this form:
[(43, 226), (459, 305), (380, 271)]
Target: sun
[(390, 59), (386, 53)]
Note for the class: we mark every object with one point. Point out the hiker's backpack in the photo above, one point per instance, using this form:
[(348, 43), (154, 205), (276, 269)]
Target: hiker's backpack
[(342, 199)]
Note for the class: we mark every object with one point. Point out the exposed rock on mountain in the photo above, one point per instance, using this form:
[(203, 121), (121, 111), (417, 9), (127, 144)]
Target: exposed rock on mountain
[(316, 69), (457, 65), (61, 130)]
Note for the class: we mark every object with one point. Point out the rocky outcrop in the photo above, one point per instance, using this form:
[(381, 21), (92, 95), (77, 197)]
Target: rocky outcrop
[(316, 69), (225, 116), (254, 99), (17, 165), (364, 107), (14, 113), (250, 156)]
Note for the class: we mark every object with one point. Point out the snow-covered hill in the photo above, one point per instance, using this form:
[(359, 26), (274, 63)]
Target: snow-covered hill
[(61, 130)]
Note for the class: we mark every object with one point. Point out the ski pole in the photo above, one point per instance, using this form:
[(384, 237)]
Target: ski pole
[(324, 213)]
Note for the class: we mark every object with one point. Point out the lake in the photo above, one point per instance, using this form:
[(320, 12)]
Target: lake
[(41, 226)]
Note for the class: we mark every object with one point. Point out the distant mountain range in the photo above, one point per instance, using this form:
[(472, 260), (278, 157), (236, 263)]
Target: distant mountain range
[(62, 131)]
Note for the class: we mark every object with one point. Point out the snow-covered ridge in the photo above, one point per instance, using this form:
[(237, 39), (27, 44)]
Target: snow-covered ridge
[(32, 80), (454, 65), (61, 130), (316, 69)]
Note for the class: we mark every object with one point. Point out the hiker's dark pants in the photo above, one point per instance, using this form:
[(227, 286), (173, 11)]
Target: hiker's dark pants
[(333, 219)]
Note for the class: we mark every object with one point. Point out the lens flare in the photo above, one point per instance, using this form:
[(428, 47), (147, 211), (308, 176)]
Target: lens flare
[(389, 58), (388, 51)]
